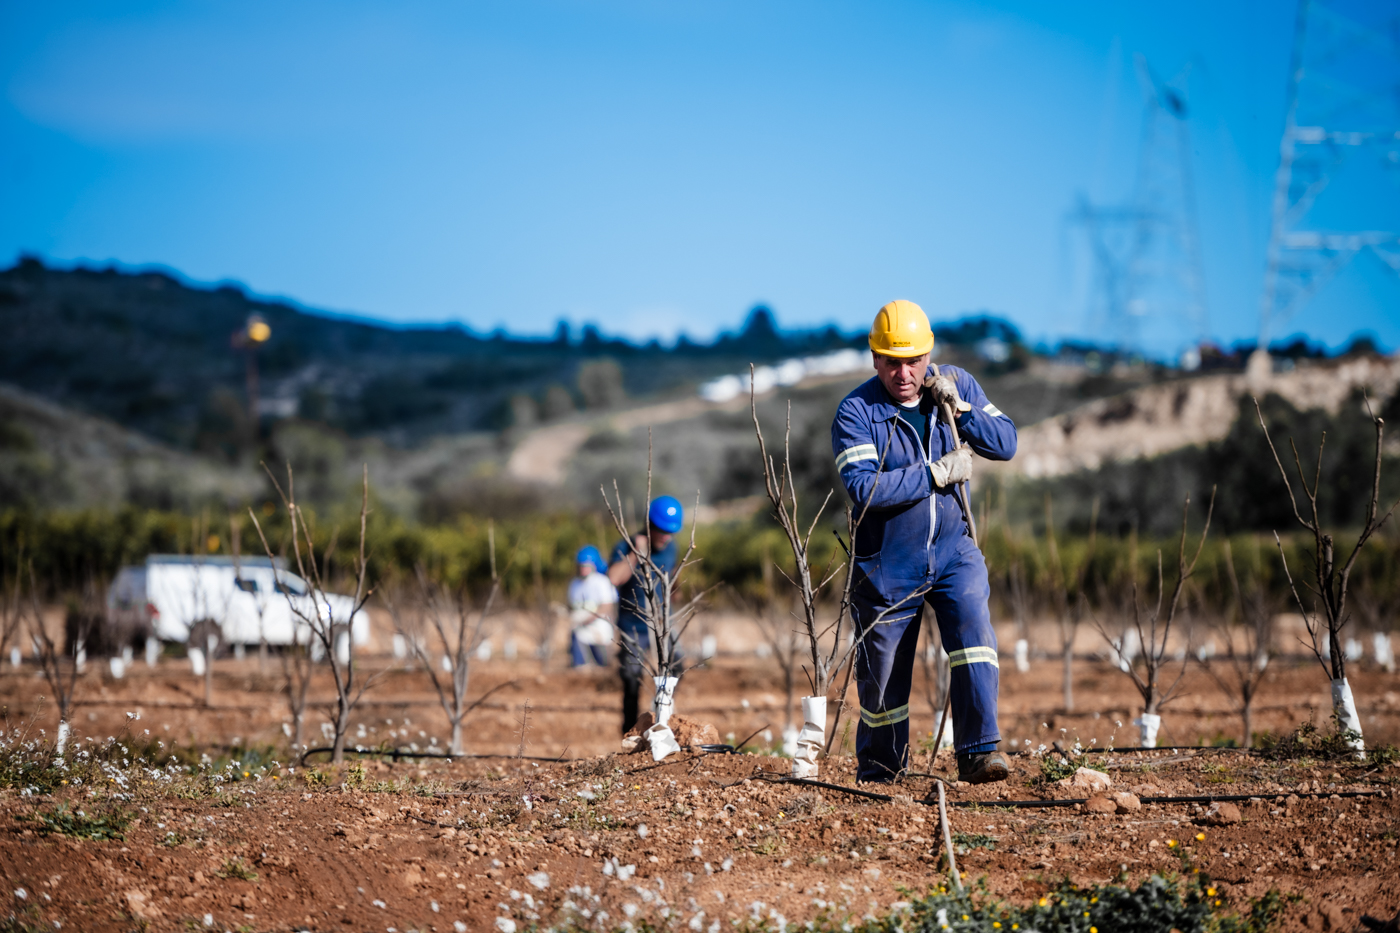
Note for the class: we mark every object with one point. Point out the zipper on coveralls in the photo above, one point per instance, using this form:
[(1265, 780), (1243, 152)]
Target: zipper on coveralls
[(928, 463)]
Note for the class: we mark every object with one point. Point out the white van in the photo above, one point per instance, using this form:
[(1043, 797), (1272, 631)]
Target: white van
[(242, 604)]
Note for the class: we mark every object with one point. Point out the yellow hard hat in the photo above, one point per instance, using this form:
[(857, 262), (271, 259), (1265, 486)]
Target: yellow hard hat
[(901, 330)]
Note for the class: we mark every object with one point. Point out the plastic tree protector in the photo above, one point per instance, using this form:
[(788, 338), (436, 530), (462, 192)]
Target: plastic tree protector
[(1148, 724), (1385, 654), (62, 741), (660, 738), (811, 738), (1344, 708), (1023, 655)]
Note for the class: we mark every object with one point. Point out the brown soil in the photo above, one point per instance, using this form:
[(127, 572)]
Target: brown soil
[(507, 837)]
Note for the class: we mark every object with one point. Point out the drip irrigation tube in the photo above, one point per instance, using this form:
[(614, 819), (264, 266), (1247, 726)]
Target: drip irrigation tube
[(1050, 804), (396, 755)]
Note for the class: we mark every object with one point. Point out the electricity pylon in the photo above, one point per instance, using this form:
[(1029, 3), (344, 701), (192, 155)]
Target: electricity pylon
[(1341, 142), (1146, 253)]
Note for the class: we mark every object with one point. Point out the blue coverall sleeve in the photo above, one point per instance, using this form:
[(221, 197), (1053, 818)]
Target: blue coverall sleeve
[(858, 454), (985, 429)]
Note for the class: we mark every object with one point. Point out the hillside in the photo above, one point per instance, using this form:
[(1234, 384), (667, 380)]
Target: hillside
[(53, 456), (125, 388), (154, 354)]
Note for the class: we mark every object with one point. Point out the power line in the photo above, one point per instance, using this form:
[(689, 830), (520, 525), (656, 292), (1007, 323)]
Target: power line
[(1342, 130)]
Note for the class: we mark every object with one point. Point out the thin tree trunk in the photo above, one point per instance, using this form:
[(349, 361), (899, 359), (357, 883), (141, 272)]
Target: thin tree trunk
[(1067, 655), (1248, 716), (456, 746), (789, 690), (342, 728)]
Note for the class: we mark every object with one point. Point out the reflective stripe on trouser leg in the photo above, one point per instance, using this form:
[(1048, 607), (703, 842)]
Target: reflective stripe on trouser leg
[(884, 668), (959, 602)]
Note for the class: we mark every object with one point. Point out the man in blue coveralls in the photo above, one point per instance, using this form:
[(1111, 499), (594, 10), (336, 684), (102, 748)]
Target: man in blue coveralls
[(664, 518), (898, 462)]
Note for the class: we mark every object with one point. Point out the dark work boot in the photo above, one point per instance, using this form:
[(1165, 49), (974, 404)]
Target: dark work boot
[(983, 768)]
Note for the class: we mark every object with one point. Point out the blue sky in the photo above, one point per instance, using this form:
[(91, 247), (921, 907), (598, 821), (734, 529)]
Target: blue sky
[(653, 167)]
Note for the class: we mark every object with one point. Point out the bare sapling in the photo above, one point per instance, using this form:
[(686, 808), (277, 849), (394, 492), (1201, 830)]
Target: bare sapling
[(260, 596), (1327, 615), (1244, 664), (456, 628), (938, 681), (831, 643), (327, 619), (61, 668), (1153, 632), (1069, 612), (1067, 619), (665, 614), (775, 623), (544, 619), (1019, 597), (12, 612)]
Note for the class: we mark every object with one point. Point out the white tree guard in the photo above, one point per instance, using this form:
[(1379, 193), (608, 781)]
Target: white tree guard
[(811, 738), (1148, 724), (62, 742), (196, 662), (662, 741), (1385, 654), (1345, 707), (664, 702), (1023, 655)]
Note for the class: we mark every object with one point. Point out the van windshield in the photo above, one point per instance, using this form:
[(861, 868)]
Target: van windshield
[(247, 586), (290, 584)]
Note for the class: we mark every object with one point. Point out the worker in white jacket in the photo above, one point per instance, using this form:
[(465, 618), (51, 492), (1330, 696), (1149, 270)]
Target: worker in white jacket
[(592, 603)]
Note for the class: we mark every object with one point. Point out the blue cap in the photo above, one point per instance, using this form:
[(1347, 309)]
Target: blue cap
[(666, 513), (588, 554)]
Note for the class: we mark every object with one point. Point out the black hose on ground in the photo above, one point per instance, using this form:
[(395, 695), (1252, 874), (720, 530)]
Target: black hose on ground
[(1049, 804)]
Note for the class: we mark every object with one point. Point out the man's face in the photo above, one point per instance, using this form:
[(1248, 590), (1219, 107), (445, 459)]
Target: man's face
[(902, 378), (586, 568), (659, 538)]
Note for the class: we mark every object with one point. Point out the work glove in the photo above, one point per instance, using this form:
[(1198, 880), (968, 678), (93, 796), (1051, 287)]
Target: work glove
[(952, 468), (945, 391)]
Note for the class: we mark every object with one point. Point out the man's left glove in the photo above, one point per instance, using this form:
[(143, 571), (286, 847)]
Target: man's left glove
[(952, 468), (945, 391)]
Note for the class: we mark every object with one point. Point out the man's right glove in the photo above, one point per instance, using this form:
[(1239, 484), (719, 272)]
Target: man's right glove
[(952, 468), (945, 392)]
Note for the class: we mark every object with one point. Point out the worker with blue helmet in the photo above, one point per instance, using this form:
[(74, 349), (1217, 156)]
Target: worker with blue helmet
[(592, 602), (901, 467), (665, 516)]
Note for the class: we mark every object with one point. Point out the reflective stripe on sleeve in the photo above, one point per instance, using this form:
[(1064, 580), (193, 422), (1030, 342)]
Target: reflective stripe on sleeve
[(887, 718), (855, 455), (992, 410), (977, 654)]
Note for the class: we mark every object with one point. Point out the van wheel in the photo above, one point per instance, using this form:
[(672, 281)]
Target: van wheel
[(201, 632)]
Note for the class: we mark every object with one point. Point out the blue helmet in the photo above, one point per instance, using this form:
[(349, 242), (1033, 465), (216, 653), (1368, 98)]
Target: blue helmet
[(666, 513), (588, 554)]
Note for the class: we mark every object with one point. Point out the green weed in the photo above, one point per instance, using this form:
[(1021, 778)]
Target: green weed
[(1057, 768), (235, 868), (966, 842), (81, 825)]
